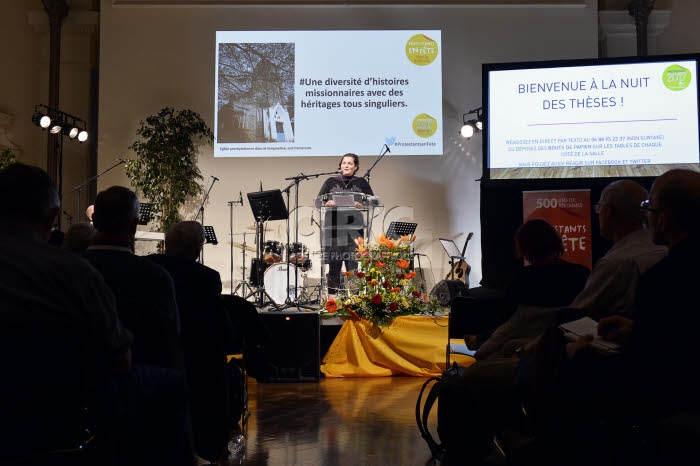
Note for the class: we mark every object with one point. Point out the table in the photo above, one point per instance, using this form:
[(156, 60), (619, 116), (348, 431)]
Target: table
[(411, 345)]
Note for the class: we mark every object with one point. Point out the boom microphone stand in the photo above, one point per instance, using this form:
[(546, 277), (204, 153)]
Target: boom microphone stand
[(385, 150), (80, 187)]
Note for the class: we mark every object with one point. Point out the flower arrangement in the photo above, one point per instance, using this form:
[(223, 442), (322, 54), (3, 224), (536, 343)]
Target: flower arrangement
[(383, 287)]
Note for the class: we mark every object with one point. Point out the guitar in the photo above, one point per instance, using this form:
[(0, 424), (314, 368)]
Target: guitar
[(461, 269)]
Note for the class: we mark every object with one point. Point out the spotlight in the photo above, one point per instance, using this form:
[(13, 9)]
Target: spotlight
[(41, 119), (57, 122), (469, 129), (473, 125), (55, 127)]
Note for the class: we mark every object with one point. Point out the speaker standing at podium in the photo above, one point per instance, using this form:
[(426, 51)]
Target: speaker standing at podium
[(345, 223)]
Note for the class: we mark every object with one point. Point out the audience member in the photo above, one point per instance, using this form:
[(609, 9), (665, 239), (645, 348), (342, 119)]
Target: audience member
[(651, 380), (547, 283), (78, 237), (153, 424), (144, 290), (206, 331), (611, 287), (50, 301), (89, 211)]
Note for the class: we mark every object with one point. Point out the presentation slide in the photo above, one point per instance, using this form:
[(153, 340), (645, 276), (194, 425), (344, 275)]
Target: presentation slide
[(627, 114), (326, 93)]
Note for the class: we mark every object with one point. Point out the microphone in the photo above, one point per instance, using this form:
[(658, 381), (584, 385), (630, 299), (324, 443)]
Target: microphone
[(215, 177), (387, 148), (240, 197), (339, 172), (260, 185)]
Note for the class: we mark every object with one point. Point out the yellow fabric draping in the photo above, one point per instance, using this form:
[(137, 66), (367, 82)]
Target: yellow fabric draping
[(411, 345)]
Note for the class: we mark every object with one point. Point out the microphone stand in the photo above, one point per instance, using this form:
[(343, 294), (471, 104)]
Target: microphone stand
[(383, 152), (295, 182), (201, 211), (80, 187)]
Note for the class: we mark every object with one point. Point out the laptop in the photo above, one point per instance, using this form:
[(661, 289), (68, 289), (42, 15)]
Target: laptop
[(344, 200)]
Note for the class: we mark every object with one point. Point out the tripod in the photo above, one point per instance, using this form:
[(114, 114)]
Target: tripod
[(246, 290)]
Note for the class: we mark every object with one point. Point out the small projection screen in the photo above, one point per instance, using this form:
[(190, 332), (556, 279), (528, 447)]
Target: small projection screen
[(624, 117), (324, 93)]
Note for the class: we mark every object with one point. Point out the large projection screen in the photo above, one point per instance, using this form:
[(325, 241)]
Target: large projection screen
[(316, 93), (592, 118)]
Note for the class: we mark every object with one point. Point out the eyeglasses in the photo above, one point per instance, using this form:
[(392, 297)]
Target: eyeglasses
[(645, 206)]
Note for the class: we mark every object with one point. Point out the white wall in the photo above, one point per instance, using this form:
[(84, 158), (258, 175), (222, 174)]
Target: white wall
[(156, 57)]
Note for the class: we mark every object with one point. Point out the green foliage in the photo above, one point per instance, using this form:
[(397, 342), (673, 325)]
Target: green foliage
[(7, 157), (165, 169)]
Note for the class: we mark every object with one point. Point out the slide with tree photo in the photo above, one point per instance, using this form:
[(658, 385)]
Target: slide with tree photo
[(322, 93)]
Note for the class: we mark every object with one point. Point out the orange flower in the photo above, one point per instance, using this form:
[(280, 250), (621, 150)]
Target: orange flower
[(406, 238), (402, 263), (331, 305), (348, 273), (353, 313), (395, 290), (410, 275), (373, 282), (384, 241), (379, 265), (360, 244)]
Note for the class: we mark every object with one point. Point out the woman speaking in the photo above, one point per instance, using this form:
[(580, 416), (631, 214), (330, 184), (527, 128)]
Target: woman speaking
[(343, 223)]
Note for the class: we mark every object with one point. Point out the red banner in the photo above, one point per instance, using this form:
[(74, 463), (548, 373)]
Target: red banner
[(570, 213)]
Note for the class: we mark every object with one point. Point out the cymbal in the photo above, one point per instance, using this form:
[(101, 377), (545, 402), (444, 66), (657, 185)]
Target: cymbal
[(240, 246), (253, 227)]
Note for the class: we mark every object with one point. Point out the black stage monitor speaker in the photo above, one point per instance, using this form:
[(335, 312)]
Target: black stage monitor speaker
[(446, 290), (291, 353)]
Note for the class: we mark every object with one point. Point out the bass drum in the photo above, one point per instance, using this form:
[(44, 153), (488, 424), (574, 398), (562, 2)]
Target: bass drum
[(275, 281)]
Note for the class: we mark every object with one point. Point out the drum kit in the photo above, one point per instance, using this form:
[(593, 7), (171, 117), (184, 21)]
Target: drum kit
[(278, 271), (269, 272)]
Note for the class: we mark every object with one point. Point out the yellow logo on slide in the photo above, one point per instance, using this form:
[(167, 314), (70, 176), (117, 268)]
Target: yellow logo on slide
[(424, 125), (421, 50)]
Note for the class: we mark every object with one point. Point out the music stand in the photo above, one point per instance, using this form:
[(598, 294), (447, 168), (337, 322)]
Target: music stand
[(268, 205), (399, 229), (209, 235), (453, 252), (145, 210)]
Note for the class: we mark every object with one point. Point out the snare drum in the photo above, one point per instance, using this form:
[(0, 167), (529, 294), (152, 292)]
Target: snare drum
[(298, 253), (276, 282), (272, 252)]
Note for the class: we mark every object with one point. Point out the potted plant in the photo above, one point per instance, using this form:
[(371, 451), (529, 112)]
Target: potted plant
[(165, 168)]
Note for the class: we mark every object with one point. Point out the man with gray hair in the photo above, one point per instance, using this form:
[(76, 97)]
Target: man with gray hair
[(610, 288), (206, 333)]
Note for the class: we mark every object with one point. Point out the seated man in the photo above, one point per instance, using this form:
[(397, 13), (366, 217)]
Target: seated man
[(206, 332), (144, 291), (151, 408), (51, 301), (611, 287)]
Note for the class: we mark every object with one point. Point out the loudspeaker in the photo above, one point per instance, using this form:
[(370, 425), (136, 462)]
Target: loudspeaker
[(291, 353), (446, 290)]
